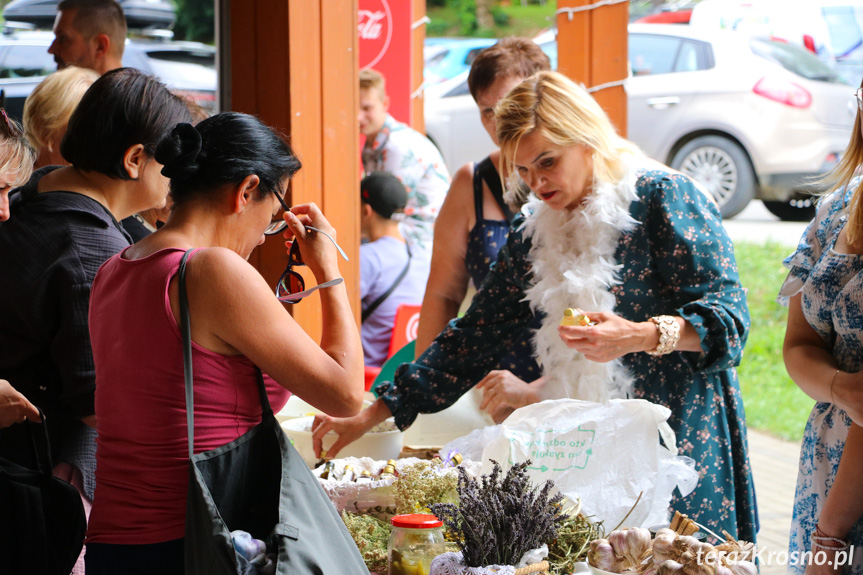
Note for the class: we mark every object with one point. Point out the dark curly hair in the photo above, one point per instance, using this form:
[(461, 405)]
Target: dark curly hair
[(224, 149)]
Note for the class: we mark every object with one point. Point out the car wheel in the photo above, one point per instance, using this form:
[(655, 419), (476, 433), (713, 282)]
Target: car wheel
[(797, 210), (723, 167)]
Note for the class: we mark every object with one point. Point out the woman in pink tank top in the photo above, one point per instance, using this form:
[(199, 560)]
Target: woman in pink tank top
[(228, 178)]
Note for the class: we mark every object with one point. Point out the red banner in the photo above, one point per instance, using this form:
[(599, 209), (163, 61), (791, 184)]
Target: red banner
[(385, 45)]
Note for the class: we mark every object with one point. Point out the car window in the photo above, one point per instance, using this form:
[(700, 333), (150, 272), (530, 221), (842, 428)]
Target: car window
[(844, 25), (182, 65), (693, 56), (436, 59), (471, 55), (794, 59), (459, 90), (550, 49), (23, 61), (651, 54)]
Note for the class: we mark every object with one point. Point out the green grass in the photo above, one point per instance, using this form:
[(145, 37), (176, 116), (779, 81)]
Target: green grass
[(773, 402), (522, 21)]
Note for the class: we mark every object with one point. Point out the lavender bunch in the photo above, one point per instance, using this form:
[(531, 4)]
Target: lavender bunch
[(497, 520)]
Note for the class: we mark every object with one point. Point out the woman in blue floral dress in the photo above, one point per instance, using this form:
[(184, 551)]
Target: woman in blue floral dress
[(638, 247), (824, 356)]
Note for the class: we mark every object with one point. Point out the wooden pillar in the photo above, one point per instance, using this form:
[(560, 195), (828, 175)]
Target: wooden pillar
[(293, 63), (592, 50)]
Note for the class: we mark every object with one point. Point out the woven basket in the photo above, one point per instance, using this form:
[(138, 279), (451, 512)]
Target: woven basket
[(540, 568)]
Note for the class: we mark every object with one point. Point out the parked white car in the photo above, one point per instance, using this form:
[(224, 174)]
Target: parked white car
[(746, 117)]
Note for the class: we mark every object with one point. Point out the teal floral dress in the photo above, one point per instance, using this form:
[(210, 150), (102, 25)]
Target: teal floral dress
[(678, 260), (831, 286)]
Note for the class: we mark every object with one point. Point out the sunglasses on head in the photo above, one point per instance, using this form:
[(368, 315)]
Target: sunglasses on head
[(8, 128), (291, 287)]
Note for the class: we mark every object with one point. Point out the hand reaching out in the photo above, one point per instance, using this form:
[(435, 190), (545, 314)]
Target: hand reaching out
[(349, 429), (503, 393), (14, 407)]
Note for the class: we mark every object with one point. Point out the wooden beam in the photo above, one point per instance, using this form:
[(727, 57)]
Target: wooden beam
[(340, 136), (293, 64), (592, 50), (305, 62)]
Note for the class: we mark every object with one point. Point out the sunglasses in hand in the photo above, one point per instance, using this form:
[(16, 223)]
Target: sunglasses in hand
[(291, 287)]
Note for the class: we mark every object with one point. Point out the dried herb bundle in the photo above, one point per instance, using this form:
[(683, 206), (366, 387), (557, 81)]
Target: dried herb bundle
[(497, 521), (423, 483), (371, 536), (572, 543)]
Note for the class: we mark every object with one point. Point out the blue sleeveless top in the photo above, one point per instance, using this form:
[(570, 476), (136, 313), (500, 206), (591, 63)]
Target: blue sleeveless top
[(484, 241)]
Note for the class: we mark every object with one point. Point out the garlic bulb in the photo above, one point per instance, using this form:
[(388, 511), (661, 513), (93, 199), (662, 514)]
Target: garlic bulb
[(630, 543), (688, 541), (742, 568), (663, 546), (601, 556), (723, 570), (669, 568)]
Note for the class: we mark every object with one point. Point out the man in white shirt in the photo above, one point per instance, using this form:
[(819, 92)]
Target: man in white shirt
[(397, 148)]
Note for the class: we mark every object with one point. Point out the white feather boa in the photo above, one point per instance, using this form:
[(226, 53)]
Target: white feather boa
[(573, 266)]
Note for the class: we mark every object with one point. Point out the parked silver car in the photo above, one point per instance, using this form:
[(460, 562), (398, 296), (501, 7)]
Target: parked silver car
[(187, 68), (747, 117)]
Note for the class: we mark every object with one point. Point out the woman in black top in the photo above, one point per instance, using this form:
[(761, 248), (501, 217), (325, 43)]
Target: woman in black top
[(65, 227)]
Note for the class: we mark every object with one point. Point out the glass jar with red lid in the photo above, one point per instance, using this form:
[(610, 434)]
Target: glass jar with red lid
[(417, 538)]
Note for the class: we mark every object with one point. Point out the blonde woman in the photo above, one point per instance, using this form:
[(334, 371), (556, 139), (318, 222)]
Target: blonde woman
[(16, 161), (48, 109), (643, 252), (824, 356)]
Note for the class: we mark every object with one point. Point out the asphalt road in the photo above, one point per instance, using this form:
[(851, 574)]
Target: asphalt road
[(756, 224)]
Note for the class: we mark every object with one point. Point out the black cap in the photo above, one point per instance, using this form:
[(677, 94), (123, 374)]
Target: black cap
[(384, 193)]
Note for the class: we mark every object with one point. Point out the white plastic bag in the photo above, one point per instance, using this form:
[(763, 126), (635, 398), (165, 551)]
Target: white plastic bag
[(602, 454), (470, 446)]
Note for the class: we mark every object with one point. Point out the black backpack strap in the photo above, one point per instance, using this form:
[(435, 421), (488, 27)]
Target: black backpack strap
[(262, 392), (41, 446), (186, 332), (375, 304), (490, 176)]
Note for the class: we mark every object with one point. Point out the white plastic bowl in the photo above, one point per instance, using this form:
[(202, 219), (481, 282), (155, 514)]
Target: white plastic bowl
[(296, 407), (380, 445)]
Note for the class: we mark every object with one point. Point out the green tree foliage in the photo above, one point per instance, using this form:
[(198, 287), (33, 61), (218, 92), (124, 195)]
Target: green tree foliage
[(196, 20), (468, 24)]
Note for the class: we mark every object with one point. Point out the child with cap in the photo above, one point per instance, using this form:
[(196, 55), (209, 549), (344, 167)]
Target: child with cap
[(389, 275)]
